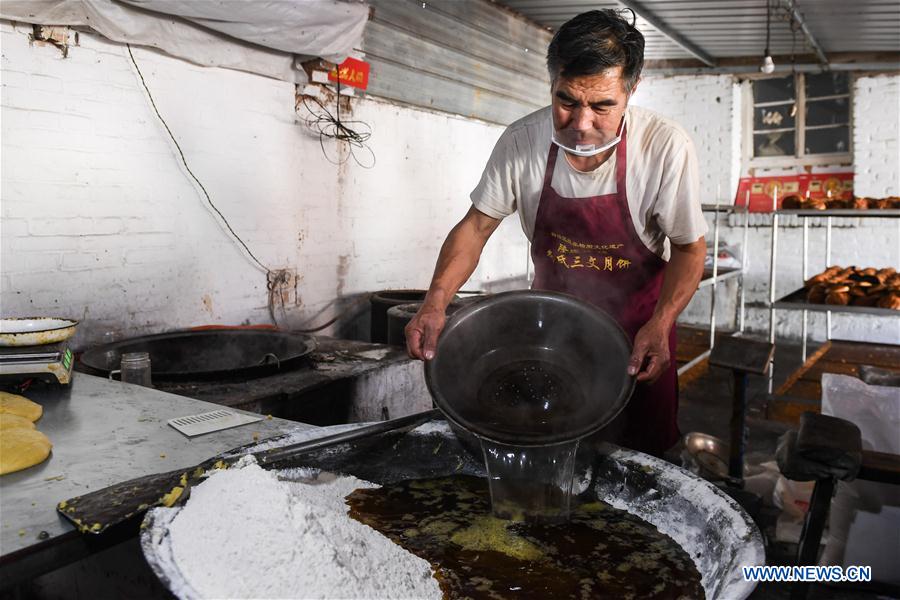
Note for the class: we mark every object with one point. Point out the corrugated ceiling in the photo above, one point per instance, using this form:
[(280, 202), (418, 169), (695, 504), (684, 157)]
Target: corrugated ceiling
[(737, 28), (468, 57), (484, 59)]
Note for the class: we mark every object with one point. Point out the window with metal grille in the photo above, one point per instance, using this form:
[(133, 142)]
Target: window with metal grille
[(803, 118)]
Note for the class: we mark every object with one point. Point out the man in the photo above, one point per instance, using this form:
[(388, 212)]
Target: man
[(609, 196)]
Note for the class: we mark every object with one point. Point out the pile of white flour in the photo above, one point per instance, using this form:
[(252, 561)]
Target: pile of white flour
[(245, 534)]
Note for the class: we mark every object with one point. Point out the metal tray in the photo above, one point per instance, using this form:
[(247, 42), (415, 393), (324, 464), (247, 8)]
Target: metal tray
[(876, 213), (707, 523), (797, 301), (722, 208), (723, 274)]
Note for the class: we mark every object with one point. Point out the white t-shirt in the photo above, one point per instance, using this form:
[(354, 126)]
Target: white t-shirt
[(662, 179)]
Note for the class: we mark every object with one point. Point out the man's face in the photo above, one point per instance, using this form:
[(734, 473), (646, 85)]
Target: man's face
[(587, 110)]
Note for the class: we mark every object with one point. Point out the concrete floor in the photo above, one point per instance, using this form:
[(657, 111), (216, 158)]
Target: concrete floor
[(705, 405)]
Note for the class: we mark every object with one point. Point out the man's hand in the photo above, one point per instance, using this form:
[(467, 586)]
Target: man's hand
[(650, 357), (422, 332), (456, 262)]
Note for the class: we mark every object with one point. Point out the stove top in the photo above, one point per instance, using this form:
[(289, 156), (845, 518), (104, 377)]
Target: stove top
[(323, 389)]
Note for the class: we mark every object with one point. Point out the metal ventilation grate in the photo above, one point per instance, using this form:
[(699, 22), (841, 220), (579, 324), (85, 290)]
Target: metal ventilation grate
[(217, 420)]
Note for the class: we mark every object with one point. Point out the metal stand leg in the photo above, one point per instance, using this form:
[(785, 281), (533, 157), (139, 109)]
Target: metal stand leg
[(811, 535), (738, 426), (805, 275), (744, 259), (715, 274), (827, 264), (772, 262), (529, 276)]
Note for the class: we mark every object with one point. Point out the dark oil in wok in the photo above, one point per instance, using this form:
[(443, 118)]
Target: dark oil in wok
[(600, 552), (530, 482)]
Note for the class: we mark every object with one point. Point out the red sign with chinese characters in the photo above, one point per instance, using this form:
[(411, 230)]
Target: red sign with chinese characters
[(815, 185), (353, 72)]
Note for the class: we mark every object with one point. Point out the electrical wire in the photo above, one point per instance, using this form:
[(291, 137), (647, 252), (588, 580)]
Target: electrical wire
[(190, 172), (793, 26), (274, 279), (330, 126), (340, 315)]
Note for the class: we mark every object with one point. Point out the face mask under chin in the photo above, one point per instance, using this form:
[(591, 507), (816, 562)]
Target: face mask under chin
[(591, 149)]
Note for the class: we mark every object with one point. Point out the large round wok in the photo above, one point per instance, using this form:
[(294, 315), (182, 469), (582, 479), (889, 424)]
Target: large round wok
[(711, 527), (210, 354)]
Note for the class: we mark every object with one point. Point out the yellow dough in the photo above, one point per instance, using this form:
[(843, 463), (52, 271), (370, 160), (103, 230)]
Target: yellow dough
[(22, 448), (12, 404), (8, 421)]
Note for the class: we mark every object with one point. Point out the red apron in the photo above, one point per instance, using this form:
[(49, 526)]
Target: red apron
[(588, 247)]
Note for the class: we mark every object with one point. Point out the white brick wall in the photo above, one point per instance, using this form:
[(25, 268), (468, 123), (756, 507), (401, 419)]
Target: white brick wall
[(709, 107), (100, 222), (876, 135)]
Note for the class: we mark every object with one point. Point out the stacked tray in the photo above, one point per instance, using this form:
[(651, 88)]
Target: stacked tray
[(850, 289)]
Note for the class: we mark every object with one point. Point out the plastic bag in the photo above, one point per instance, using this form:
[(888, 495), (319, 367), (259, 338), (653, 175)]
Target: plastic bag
[(864, 522), (728, 256)]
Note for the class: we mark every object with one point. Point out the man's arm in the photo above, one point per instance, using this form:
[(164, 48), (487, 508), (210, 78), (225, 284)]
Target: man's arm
[(680, 279), (456, 262)]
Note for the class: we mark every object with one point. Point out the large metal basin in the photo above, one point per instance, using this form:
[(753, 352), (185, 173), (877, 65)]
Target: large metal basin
[(35, 331), (711, 527), (579, 353)]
